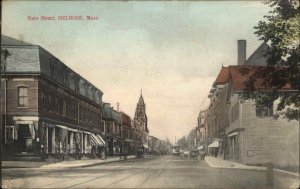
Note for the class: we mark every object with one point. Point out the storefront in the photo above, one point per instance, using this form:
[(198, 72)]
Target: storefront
[(233, 145), (31, 135)]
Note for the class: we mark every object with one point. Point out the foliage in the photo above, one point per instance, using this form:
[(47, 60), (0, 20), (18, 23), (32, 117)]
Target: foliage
[(188, 143), (280, 29)]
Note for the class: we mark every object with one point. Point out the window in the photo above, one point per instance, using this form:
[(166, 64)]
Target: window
[(10, 132), (234, 112), (42, 98), (50, 102), (64, 108), (264, 111), (55, 104), (23, 96)]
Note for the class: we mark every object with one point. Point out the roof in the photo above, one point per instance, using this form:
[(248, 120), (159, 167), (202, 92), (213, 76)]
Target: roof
[(26, 58), (116, 116), (257, 57), (9, 41), (107, 109), (223, 76), (126, 119), (141, 100), (239, 75)]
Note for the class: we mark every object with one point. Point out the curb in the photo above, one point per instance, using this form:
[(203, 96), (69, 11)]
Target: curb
[(67, 167), (287, 172), (105, 162), (246, 167)]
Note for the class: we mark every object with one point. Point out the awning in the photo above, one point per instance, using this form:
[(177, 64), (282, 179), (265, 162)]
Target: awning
[(128, 140), (233, 134), (200, 147), (67, 128), (95, 140), (101, 139), (215, 144), (145, 145)]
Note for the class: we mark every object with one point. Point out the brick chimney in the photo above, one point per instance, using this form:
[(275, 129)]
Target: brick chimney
[(241, 52)]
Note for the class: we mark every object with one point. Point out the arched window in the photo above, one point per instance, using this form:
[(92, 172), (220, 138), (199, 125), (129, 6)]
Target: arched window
[(23, 96)]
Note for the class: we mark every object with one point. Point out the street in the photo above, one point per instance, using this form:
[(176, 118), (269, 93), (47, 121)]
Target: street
[(155, 172)]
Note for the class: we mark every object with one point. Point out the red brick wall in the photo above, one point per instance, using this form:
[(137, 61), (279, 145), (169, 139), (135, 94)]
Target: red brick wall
[(12, 96)]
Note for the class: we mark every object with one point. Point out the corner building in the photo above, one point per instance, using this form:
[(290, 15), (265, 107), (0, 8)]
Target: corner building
[(48, 110)]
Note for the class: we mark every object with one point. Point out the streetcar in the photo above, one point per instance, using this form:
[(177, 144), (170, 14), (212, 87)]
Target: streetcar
[(175, 150)]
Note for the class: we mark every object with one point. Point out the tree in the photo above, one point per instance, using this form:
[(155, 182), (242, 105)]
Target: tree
[(191, 139), (280, 29), (182, 142)]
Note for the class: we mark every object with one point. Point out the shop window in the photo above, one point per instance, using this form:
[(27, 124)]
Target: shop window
[(10, 132), (264, 111), (23, 96), (88, 140)]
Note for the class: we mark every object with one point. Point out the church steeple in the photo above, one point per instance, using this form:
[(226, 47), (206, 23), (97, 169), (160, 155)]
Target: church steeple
[(140, 112)]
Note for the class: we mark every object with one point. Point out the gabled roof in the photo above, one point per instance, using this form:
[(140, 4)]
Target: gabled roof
[(223, 76), (257, 57), (239, 75)]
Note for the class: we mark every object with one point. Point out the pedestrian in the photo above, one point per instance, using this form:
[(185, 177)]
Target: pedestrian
[(216, 152), (203, 155)]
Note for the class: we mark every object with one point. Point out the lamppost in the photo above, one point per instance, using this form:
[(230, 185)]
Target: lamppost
[(4, 55)]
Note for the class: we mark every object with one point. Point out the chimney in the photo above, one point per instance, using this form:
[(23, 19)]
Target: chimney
[(118, 106), (241, 52)]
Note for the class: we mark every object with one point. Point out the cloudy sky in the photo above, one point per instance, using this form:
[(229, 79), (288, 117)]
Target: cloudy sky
[(173, 50)]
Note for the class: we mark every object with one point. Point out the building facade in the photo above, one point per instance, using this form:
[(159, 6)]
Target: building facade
[(254, 136), (112, 122), (201, 130), (217, 114), (48, 109), (153, 145), (127, 134)]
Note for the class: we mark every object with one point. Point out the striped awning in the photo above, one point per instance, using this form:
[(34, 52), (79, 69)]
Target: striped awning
[(97, 140)]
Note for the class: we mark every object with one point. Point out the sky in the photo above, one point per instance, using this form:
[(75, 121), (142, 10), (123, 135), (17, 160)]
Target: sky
[(172, 50)]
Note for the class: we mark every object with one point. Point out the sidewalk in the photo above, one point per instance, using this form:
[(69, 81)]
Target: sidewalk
[(60, 165), (220, 163)]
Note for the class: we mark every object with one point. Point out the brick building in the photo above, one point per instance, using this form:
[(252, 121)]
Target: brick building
[(47, 108), (127, 134), (113, 129), (217, 114), (153, 145), (201, 129)]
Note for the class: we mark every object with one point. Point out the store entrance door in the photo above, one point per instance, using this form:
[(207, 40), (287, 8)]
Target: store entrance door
[(24, 138)]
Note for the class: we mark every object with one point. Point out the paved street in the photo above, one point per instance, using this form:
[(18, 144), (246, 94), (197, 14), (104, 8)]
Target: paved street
[(157, 172)]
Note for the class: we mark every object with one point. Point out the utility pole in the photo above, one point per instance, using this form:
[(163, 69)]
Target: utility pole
[(4, 55)]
